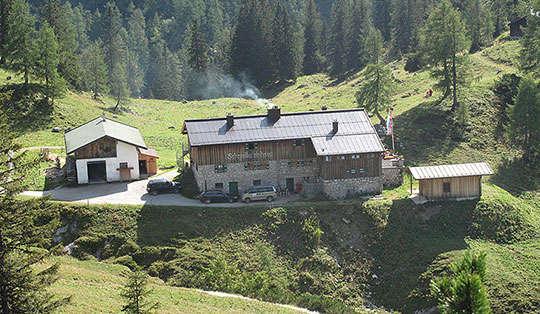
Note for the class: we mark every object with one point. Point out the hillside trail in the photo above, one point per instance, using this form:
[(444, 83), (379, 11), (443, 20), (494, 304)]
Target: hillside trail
[(40, 147), (228, 295)]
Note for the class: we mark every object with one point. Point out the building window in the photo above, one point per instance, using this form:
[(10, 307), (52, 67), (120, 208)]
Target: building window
[(328, 159), (123, 165), (289, 162), (220, 168), (299, 143), (311, 161), (251, 146), (219, 186), (446, 187), (342, 157), (267, 164), (256, 182), (300, 162), (353, 156), (353, 171), (257, 165)]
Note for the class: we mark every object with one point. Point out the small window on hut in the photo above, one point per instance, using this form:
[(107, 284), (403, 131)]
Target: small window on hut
[(219, 186), (256, 182), (123, 165), (251, 146), (220, 168), (299, 143), (446, 187)]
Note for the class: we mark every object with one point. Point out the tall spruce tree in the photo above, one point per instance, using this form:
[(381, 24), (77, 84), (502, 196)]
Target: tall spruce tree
[(463, 291), (444, 42), (137, 50), (340, 25), (198, 58), (499, 16), (5, 11), (95, 70), (24, 225), (136, 293), (374, 46), (313, 30), (530, 54), (283, 53), (377, 91), (19, 50), (479, 24), (112, 41), (405, 27), (46, 63), (525, 118), (357, 33), (382, 11)]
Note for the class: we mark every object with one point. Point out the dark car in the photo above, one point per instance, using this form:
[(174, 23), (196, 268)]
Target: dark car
[(155, 187), (217, 196)]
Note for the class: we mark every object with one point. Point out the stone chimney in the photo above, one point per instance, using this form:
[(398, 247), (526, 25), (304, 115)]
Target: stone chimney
[(335, 126), (230, 120), (274, 113)]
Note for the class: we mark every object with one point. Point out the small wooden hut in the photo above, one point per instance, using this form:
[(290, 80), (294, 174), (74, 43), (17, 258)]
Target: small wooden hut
[(459, 181), (516, 27)]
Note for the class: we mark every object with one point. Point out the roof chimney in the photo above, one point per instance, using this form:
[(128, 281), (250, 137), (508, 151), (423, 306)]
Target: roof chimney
[(274, 113), (230, 120), (323, 108), (335, 126), (103, 116)]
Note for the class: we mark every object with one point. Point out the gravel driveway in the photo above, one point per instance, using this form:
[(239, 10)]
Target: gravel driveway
[(134, 193)]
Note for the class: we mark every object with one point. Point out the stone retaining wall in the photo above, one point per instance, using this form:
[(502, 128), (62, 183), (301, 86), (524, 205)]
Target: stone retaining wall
[(342, 188)]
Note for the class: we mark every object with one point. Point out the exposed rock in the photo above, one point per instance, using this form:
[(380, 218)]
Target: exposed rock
[(184, 101), (301, 86), (172, 128), (307, 96), (115, 116), (69, 248), (214, 102), (345, 220), (56, 129)]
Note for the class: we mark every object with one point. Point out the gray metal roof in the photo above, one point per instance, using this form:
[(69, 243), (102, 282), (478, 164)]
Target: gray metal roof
[(347, 144), (299, 125), (99, 128), (451, 171)]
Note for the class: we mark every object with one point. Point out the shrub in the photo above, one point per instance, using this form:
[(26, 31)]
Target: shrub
[(127, 261), (128, 248), (90, 244), (414, 63), (312, 231), (188, 183), (150, 254), (275, 217)]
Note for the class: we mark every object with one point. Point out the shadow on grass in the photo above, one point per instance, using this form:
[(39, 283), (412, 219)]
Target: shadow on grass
[(274, 90), (426, 132), (516, 176), (27, 110), (412, 239), (161, 225)]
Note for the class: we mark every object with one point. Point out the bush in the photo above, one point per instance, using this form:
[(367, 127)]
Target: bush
[(312, 231), (128, 248), (90, 244), (127, 261), (150, 254), (414, 63), (188, 183)]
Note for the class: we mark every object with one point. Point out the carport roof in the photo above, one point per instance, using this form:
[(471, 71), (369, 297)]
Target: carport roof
[(99, 128), (451, 171)]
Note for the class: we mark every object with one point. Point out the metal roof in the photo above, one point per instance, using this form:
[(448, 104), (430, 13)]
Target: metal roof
[(98, 128), (451, 171), (347, 144), (149, 152), (300, 125)]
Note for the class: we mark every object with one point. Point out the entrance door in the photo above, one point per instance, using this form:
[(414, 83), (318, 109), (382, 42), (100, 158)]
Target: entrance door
[(290, 184), (142, 167), (233, 188), (97, 172)]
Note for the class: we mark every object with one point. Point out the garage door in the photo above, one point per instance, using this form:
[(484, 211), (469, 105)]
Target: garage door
[(97, 172)]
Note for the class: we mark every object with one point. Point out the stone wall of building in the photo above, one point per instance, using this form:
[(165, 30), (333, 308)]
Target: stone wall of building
[(277, 174), (342, 188), (392, 172)]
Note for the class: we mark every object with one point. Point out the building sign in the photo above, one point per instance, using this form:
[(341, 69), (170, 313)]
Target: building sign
[(533, 13), (249, 156)]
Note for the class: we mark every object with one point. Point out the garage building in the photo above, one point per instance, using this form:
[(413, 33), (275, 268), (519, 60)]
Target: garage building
[(104, 150)]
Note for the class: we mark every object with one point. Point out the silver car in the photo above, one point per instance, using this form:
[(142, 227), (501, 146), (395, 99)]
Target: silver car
[(260, 193)]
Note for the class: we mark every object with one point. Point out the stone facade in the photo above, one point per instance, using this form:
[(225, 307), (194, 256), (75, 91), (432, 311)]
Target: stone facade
[(392, 172), (342, 188), (277, 174)]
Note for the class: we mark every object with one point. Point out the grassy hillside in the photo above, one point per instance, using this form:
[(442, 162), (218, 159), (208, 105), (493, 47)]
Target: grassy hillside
[(95, 288)]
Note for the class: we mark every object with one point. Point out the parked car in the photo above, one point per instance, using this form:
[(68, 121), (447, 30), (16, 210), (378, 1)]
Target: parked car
[(157, 186), (260, 193), (217, 196)]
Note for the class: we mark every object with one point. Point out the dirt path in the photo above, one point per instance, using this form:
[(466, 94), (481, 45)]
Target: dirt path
[(41, 147), (228, 295)]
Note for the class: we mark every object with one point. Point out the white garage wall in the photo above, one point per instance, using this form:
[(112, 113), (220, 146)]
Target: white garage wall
[(124, 152)]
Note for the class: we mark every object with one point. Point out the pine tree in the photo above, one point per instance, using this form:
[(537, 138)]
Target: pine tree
[(137, 50), (313, 27), (54, 13), (95, 70), (5, 11), (444, 42), (525, 118), (118, 84), (23, 226), (282, 47), (377, 92), (530, 54), (374, 45), (499, 16), (405, 27), (463, 292), (47, 60), (136, 293), (479, 24), (19, 49), (113, 44), (198, 59), (382, 10), (340, 25)]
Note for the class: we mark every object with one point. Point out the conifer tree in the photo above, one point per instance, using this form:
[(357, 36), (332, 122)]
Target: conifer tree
[(136, 293), (137, 50), (479, 24), (374, 45), (283, 52), (19, 49), (47, 60), (23, 226), (444, 42), (5, 11), (530, 54), (377, 91), (95, 70), (313, 27), (382, 10), (525, 118), (112, 40), (118, 84), (463, 291), (405, 27), (198, 59), (340, 25), (499, 16), (357, 33)]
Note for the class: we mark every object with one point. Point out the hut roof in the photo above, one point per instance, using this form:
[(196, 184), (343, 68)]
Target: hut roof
[(451, 171)]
